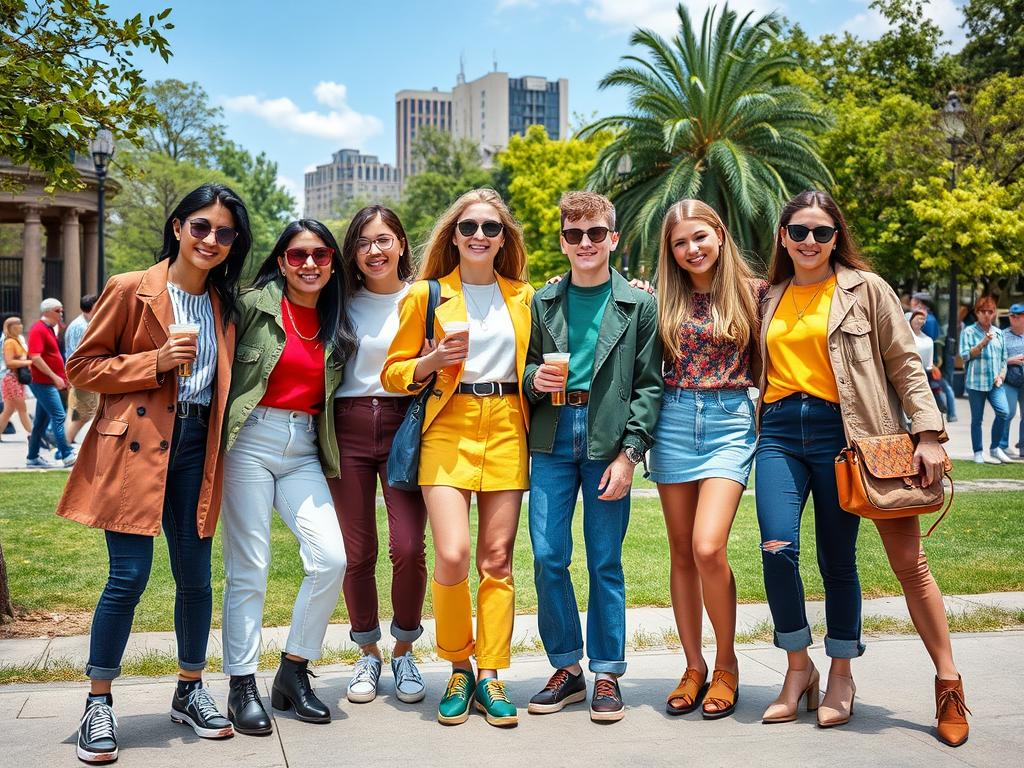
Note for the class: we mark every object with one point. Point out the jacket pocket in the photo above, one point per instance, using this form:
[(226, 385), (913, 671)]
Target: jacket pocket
[(856, 339), (111, 427), (246, 353)]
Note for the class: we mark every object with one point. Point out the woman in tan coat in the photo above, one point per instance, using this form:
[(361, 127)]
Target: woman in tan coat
[(153, 456)]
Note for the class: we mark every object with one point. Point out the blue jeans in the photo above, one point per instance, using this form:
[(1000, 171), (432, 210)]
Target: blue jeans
[(977, 399), (131, 559), (555, 482), (49, 409), (796, 451), (1014, 397), (947, 390)]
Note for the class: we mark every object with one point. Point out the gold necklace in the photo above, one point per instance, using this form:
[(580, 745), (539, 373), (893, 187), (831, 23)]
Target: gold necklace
[(295, 326), (800, 313)]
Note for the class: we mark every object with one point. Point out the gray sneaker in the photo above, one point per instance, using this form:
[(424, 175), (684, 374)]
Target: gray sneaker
[(408, 683), (39, 463), (363, 685), (70, 459)]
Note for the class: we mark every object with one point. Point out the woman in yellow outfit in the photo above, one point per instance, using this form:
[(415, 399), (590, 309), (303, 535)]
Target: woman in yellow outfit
[(474, 435)]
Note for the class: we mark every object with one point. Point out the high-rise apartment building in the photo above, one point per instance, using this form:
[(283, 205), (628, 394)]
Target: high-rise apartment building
[(413, 110), (348, 176)]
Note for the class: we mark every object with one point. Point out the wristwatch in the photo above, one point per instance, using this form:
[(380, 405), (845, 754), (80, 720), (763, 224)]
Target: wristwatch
[(633, 454)]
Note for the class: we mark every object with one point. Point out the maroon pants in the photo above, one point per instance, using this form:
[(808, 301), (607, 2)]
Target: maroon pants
[(365, 427)]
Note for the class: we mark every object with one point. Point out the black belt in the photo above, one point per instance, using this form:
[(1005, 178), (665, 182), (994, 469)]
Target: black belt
[(488, 388), (192, 411)]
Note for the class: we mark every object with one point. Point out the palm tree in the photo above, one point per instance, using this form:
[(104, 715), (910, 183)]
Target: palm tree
[(709, 119)]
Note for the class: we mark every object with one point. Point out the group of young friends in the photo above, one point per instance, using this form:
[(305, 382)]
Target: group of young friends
[(299, 384)]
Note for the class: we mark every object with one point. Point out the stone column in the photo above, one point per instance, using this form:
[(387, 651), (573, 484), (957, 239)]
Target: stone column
[(91, 228), (71, 253), (32, 266)]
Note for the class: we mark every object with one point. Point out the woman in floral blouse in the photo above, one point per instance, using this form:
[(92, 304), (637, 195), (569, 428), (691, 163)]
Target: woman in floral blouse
[(704, 442)]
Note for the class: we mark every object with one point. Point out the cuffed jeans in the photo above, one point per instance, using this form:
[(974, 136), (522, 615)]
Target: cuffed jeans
[(796, 451), (555, 482), (274, 464), (49, 410), (1014, 402), (977, 399), (131, 559)]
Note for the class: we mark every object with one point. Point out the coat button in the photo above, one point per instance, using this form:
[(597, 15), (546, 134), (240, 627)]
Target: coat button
[(170, 409), (164, 445), (134, 447), (140, 411)]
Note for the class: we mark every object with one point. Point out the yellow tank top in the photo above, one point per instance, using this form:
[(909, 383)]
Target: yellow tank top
[(798, 358)]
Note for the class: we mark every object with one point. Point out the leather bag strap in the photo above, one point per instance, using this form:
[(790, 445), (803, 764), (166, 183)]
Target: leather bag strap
[(948, 505)]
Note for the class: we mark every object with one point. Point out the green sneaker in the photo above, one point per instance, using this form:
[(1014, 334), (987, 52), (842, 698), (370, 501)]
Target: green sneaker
[(454, 706), (492, 700)]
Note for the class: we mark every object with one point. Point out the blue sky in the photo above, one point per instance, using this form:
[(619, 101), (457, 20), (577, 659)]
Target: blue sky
[(302, 79)]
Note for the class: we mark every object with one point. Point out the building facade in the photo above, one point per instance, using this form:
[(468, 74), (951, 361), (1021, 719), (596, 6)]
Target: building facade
[(413, 110), (349, 175)]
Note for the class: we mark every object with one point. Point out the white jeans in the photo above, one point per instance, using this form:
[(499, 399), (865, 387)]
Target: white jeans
[(274, 464)]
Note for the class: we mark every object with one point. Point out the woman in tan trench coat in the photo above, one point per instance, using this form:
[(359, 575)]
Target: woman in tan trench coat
[(153, 457)]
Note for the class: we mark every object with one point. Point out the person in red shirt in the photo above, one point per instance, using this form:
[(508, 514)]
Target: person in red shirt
[(48, 378)]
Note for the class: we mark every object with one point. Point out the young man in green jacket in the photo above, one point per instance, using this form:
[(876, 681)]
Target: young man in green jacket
[(594, 442)]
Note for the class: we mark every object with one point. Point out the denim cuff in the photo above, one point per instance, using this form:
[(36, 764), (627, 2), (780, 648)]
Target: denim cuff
[(365, 638), (404, 635), (794, 641), (192, 666), (560, 660), (102, 673), (609, 667), (843, 649)]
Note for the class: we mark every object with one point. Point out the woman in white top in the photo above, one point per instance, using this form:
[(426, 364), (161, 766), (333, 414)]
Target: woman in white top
[(376, 256), (926, 349)]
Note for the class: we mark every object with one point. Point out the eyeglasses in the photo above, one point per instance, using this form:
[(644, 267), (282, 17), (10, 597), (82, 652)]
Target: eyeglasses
[(468, 228), (322, 256), (575, 236), (383, 243), (821, 234), (200, 228)]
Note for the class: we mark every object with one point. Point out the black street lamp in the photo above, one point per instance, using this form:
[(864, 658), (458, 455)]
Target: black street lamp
[(102, 149), (952, 124), (624, 168)]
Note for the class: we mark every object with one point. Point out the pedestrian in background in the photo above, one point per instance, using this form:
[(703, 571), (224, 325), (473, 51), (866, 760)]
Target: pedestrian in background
[(1013, 386), (48, 379), (82, 405), (922, 302), (12, 390), (983, 349)]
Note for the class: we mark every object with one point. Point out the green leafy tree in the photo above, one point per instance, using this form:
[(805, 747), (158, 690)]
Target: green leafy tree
[(539, 170), (708, 119), (995, 38), (189, 128), (65, 72), (994, 128)]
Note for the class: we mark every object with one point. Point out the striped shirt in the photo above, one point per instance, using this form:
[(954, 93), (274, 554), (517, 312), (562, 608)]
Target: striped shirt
[(983, 370), (1014, 343), (73, 335), (197, 388)]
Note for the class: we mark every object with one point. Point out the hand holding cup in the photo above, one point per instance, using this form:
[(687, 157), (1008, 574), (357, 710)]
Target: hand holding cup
[(180, 349), (552, 376)]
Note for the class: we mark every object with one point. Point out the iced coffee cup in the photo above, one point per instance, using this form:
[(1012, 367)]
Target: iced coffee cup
[(184, 330), (456, 329), (559, 360)]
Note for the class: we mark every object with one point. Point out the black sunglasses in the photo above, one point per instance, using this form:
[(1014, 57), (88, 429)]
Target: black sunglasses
[(575, 236), (821, 234), (468, 228), (200, 228)]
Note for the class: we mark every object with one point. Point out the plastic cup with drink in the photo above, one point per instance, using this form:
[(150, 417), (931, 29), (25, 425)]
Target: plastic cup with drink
[(558, 360), (184, 330), (457, 329)]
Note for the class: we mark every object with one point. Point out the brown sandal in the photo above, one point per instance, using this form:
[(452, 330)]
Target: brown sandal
[(691, 690), (723, 695)]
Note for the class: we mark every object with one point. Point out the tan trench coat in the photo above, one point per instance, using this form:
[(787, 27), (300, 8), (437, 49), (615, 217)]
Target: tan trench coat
[(119, 480), (878, 371)]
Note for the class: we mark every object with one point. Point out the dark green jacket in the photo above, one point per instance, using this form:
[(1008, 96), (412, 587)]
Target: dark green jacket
[(261, 338), (625, 394)]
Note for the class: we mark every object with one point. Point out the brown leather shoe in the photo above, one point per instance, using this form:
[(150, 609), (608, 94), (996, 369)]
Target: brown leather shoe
[(722, 696), (951, 711)]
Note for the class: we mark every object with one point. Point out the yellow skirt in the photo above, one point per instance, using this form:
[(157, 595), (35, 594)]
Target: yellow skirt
[(477, 444)]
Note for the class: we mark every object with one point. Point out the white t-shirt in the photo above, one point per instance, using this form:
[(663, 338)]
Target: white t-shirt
[(926, 349), (492, 350), (375, 317)]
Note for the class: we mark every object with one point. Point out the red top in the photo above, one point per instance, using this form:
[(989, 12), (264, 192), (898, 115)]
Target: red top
[(297, 381), (43, 341)]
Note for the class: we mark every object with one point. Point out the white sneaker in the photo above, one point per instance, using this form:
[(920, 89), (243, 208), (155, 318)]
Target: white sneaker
[(363, 685), (998, 455), (69, 460), (1012, 453), (979, 457), (408, 683)]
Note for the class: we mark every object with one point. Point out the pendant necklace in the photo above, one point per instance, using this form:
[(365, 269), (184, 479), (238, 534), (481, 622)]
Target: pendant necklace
[(483, 316), (295, 326), (801, 312)]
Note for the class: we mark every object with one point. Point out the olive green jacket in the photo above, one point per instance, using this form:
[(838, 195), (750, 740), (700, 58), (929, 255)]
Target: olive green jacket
[(261, 338), (625, 393)]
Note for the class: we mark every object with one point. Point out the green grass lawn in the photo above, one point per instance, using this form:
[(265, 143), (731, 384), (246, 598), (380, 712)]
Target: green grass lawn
[(54, 564)]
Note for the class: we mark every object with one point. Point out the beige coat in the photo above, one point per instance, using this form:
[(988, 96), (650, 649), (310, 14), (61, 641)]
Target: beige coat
[(874, 358), (119, 480)]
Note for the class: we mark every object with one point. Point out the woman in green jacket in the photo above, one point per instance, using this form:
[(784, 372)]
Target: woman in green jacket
[(294, 336)]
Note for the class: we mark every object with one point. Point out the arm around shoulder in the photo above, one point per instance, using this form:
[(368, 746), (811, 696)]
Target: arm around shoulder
[(648, 384)]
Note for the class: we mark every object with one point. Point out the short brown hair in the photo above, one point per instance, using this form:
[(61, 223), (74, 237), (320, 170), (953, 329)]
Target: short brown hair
[(587, 205), (985, 302)]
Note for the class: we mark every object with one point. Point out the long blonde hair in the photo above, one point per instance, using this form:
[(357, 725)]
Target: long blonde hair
[(441, 255), (733, 307)]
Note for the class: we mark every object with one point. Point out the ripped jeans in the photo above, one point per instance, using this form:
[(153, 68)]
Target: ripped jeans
[(799, 439)]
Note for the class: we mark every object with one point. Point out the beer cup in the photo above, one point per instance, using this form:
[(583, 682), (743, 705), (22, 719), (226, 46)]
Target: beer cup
[(456, 329), (186, 330), (559, 360)]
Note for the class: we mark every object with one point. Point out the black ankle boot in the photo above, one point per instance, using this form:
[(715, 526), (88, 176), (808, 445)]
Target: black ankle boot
[(245, 710), (292, 689)]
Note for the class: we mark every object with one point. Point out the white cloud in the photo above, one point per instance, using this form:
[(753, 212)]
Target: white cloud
[(296, 190), (871, 25), (341, 124)]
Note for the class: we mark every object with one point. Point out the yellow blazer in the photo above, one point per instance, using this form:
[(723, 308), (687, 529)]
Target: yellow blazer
[(404, 352)]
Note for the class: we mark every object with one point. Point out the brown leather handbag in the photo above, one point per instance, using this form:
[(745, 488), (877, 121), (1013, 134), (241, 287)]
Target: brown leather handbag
[(876, 479)]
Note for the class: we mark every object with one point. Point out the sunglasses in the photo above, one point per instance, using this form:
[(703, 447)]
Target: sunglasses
[(468, 228), (821, 234), (200, 228), (575, 236), (322, 256), (383, 243)]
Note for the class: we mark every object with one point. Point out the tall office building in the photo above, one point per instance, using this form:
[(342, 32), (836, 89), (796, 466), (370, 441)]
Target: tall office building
[(348, 176), (413, 110)]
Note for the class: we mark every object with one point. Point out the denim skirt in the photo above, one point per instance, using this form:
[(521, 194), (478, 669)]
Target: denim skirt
[(703, 433)]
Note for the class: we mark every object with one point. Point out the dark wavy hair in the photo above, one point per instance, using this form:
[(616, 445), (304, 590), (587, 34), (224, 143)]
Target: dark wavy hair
[(226, 275), (335, 325), (355, 229), (846, 252)]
